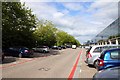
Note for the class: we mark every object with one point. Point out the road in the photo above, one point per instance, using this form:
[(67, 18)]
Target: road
[(68, 63)]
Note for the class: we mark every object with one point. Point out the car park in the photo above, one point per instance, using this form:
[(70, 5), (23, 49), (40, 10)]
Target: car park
[(108, 74), (17, 52), (43, 49), (108, 58), (94, 52)]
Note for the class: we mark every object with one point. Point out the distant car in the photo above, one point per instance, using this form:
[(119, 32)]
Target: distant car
[(18, 52), (63, 46), (60, 48), (68, 46), (87, 47), (56, 47), (43, 49), (74, 46), (108, 74), (94, 52), (109, 58)]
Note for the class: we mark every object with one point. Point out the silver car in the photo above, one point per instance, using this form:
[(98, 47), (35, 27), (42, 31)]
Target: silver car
[(94, 52), (43, 49)]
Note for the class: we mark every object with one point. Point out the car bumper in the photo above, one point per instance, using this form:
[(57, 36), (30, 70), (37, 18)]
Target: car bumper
[(89, 61)]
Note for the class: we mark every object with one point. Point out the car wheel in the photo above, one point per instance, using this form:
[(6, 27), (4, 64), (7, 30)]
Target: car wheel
[(95, 64), (44, 51), (20, 55)]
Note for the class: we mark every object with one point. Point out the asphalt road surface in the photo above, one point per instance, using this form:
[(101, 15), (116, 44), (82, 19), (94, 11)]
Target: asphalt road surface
[(66, 63)]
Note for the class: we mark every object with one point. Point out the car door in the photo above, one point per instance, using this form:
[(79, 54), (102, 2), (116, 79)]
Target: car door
[(15, 51)]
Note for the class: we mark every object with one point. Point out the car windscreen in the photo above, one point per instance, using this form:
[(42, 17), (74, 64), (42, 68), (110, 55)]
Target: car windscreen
[(100, 49)]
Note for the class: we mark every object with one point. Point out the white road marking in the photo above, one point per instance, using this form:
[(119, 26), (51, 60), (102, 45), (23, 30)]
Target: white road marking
[(80, 70)]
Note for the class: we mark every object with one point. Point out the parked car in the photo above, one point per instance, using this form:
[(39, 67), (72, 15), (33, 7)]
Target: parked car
[(68, 46), (56, 47), (63, 46), (94, 52), (74, 46), (108, 58), (43, 49), (60, 48), (87, 47), (18, 52), (108, 74)]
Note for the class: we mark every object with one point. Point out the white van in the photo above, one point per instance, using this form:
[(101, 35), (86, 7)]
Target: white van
[(74, 46)]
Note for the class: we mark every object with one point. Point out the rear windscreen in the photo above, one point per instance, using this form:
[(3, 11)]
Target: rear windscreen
[(115, 54), (98, 49)]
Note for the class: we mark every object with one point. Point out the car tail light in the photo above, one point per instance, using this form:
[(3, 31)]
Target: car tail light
[(101, 63), (89, 55), (26, 51)]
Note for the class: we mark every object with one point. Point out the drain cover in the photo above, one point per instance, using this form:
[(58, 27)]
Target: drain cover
[(44, 69)]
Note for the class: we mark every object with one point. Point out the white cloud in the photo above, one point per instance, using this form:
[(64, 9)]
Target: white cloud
[(73, 6), (83, 27), (58, 15), (104, 10), (68, 0)]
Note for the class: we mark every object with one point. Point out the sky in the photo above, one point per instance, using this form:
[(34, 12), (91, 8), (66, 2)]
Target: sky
[(83, 19)]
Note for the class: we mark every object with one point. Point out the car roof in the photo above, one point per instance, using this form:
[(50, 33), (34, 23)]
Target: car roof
[(105, 45), (111, 49), (95, 46), (113, 73)]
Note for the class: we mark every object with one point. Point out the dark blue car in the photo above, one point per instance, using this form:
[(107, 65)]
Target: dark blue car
[(108, 74), (18, 52), (109, 58)]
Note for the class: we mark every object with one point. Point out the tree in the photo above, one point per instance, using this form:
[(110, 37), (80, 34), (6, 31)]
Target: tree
[(17, 24), (63, 38), (45, 33)]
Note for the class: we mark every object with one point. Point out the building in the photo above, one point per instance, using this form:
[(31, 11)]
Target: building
[(110, 35)]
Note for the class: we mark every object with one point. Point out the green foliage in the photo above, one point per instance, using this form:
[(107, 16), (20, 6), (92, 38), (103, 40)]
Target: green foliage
[(17, 24), (45, 34), (64, 38)]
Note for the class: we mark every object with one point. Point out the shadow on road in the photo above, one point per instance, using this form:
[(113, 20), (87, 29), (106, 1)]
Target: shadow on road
[(90, 66), (9, 60), (52, 52)]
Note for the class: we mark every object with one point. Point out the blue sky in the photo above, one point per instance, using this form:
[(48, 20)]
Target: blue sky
[(82, 19)]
